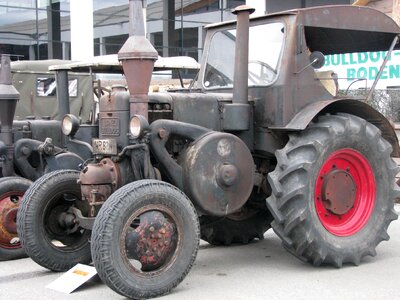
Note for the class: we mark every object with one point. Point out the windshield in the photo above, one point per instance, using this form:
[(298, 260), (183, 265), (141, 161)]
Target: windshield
[(265, 46)]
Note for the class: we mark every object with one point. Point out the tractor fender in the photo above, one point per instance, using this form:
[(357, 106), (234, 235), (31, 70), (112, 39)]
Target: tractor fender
[(350, 106)]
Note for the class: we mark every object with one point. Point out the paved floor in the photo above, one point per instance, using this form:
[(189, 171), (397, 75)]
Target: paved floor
[(262, 270)]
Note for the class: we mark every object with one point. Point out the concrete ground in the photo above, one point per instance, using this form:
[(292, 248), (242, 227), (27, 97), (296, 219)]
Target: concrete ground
[(260, 270)]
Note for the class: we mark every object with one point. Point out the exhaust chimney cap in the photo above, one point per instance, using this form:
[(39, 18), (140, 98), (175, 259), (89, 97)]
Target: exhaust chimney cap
[(242, 8)]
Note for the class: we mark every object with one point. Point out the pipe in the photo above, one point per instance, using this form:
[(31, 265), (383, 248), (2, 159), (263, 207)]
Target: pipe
[(240, 77), (62, 93), (378, 76), (136, 15), (137, 56), (9, 97)]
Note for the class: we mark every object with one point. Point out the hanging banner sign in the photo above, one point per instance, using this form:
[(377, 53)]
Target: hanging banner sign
[(364, 65)]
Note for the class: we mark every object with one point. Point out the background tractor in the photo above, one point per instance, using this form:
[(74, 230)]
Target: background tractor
[(33, 145), (256, 141)]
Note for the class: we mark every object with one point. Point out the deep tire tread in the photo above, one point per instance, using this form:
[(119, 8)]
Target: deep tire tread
[(26, 222), (290, 184), (102, 236)]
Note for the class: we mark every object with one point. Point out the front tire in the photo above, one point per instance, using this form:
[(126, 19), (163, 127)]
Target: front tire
[(47, 230), (12, 190), (145, 239), (333, 191)]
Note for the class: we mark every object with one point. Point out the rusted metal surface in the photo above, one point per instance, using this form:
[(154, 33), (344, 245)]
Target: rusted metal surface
[(8, 213), (114, 118), (98, 182), (241, 54), (218, 173), (153, 241), (137, 56), (161, 131), (338, 191)]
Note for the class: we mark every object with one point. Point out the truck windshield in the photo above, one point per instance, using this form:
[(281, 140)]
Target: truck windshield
[(265, 45)]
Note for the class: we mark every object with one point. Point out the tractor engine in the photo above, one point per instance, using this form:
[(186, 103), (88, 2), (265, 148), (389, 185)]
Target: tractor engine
[(99, 180)]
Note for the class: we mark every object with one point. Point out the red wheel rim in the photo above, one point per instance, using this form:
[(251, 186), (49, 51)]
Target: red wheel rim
[(9, 203), (345, 192)]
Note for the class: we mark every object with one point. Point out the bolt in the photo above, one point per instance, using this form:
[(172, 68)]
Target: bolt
[(162, 133), (162, 231), (153, 236), (152, 229), (154, 249), (161, 244)]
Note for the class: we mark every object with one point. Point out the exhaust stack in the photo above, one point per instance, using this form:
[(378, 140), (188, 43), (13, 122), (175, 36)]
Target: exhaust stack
[(236, 116), (241, 68), (137, 56), (9, 97)]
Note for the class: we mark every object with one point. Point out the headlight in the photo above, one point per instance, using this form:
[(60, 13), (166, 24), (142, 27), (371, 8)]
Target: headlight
[(138, 126), (69, 125)]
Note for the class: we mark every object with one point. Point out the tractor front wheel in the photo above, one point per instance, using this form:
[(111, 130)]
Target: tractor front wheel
[(333, 191), (145, 239)]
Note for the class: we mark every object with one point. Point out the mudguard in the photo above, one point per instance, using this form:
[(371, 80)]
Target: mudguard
[(350, 106)]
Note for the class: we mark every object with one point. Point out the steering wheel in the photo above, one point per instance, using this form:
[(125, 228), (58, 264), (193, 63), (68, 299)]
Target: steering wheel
[(265, 75)]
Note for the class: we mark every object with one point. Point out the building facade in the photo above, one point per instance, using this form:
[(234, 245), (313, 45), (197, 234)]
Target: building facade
[(41, 29)]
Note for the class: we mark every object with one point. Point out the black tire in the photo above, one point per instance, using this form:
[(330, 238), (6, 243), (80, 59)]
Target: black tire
[(235, 229), (345, 158), (45, 240), (11, 191), (115, 223)]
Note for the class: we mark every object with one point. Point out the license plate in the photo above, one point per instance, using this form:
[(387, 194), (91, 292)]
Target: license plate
[(106, 146)]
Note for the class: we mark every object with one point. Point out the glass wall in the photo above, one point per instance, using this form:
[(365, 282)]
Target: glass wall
[(35, 29), (40, 29), (176, 27)]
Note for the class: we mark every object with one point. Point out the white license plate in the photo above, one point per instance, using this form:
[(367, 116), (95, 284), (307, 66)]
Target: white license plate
[(106, 146)]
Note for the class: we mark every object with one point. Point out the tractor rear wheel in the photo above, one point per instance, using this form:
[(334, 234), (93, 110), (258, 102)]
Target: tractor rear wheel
[(47, 228), (145, 239), (333, 191), (11, 191)]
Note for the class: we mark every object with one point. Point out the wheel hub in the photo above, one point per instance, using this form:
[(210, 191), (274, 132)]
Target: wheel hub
[(8, 214), (338, 192), (344, 194), (152, 242)]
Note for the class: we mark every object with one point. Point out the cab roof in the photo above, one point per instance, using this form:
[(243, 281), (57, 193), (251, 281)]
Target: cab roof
[(340, 28)]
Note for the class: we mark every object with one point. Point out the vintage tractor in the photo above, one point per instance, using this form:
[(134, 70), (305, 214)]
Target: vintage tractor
[(257, 141), (32, 147)]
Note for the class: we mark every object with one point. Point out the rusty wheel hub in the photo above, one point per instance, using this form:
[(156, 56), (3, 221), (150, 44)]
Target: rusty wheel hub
[(344, 192), (152, 242), (8, 212), (338, 192)]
